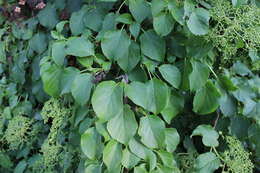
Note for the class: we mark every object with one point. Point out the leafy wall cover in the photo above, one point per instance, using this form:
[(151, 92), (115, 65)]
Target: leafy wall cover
[(129, 86)]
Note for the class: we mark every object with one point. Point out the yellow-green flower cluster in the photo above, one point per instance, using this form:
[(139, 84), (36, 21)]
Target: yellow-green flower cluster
[(187, 162), (236, 158), (54, 110), (235, 29), (58, 114), (18, 132)]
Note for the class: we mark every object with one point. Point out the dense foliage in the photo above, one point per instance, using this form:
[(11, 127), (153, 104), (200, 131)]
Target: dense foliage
[(118, 86)]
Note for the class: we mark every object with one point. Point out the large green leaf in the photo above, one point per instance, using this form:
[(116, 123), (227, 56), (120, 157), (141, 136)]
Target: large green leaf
[(77, 22), (48, 17), (127, 63), (163, 23), (58, 52), (51, 80), (198, 22), (107, 100), (209, 135), (2, 52), (115, 44), (81, 88), (167, 159), (123, 126), (206, 163), (38, 42), (90, 143), (151, 130), (172, 139), (171, 74), (174, 105), (152, 95), (79, 46), (93, 168), (112, 155), (206, 99), (177, 11), (198, 76), (68, 76), (140, 9), (152, 45)]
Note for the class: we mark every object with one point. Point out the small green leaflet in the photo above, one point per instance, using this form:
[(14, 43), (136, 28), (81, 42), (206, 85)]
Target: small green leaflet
[(76, 22), (163, 23), (206, 99), (209, 135), (206, 163), (123, 126), (107, 100), (151, 130)]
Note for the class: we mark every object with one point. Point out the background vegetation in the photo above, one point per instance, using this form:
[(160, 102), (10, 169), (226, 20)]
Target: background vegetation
[(158, 86)]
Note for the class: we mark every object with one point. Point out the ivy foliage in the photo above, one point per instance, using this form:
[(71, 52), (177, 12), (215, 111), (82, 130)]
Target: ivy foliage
[(138, 86)]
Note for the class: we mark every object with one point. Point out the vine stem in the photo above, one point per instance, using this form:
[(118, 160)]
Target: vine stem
[(216, 152), (216, 121), (212, 71), (120, 6)]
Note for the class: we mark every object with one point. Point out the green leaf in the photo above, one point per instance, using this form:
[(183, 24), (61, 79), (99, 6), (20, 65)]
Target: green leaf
[(112, 155), (140, 169), (2, 52), (128, 63), (48, 17), (94, 18), (152, 45), (51, 80), (209, 135), (140, 9), (151, 130), (107, 100), (198, 76), (77, 22), (129, 160), (138, 149), (237, 3), (81, 88), (5, 161), (93, 168), (90, 142), (152, 95), (198, 22), (177, 11), (123, 126), (167, 159), (21, 166), (163, 23), (135, 29), (206, 163), (58, 52), (79, 46), (171, 74), (174, 105), (206, 99), (125, 18), (68, 76), (38, 43), (115, 44), (172, 139)]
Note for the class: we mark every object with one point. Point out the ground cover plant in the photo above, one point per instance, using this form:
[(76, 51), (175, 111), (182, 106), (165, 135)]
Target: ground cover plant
[(129, 86)]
